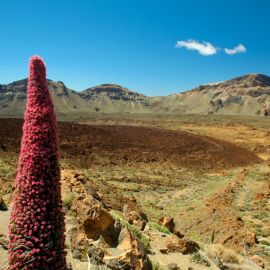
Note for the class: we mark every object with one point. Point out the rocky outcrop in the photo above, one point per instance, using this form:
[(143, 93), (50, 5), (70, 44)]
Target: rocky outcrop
[(114, 92), (98, 234)]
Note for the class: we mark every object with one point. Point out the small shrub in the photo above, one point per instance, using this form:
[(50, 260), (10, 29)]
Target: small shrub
[(159, 227), (137, 233), (68, 201), (225, 255), (261, 215), (9, 189), (265, 243)]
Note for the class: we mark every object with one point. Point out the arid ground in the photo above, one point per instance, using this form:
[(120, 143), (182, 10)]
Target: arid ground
[(209, 173)]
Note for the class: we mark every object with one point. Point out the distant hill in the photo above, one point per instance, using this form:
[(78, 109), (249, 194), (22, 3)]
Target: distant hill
[(246, 95)]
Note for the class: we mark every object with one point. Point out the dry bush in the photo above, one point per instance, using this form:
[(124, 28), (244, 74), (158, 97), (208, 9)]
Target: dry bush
[(225, 255)]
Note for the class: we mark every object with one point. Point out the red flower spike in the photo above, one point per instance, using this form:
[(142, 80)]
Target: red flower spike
[(37, 196)]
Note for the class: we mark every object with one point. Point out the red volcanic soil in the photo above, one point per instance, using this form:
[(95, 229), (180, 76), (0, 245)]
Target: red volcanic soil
[(87, 145)]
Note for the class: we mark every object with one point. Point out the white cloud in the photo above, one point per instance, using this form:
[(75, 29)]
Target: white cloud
[(238, 49), (206, 48), (203, 48)]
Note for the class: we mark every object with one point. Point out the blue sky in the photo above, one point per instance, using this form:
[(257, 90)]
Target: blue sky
[(133, 42)]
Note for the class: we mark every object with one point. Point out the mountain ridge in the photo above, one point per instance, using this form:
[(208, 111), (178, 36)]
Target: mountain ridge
[(249, 80), (248, 95)]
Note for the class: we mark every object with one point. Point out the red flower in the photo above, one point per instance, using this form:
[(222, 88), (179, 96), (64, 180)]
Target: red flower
[(37, 199)]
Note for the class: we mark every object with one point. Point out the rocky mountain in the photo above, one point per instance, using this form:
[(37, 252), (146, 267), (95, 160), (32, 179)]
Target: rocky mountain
[(13, 97), (114, 98), (246, 95), (105, 98)]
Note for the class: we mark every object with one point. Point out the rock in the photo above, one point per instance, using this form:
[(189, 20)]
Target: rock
[(72, 181), (128, 254), (185, 246), (136, 218), (81, 179), (164, 250), (98, 196), (146, 229), (173, 266), (258, 260), (251, 238), (96, 221), (107, 242), (77, 179), (112, 234), (264, 112), (134, 253), (167, 222), (178, 234), (3, 206), (92, 217), (3, 241)]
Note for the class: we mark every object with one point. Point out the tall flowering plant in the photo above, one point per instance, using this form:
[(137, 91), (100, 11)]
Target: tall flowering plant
[(36, 229)]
